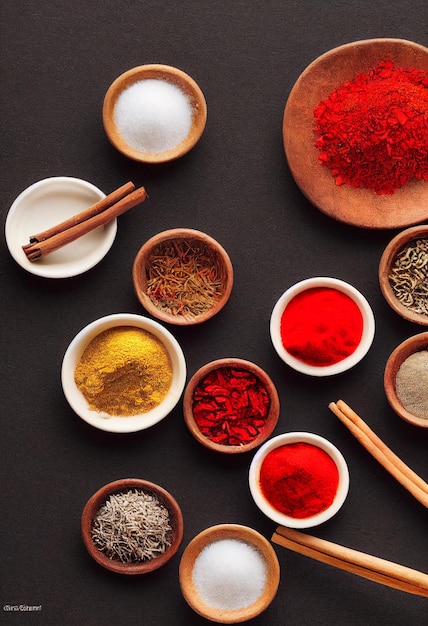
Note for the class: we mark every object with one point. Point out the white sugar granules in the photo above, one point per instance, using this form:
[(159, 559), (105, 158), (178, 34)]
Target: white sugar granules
[(153, 115), (229, 574)]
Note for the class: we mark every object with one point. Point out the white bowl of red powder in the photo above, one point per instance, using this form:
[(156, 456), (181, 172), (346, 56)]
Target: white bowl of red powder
[(322, 326), (299, 479)]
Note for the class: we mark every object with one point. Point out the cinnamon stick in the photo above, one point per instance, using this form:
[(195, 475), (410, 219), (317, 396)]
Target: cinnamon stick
[(355, 562), (37, 250), (384, 455), (96, 208)]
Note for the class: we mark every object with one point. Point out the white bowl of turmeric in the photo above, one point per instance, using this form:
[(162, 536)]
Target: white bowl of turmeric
[(123, 373)]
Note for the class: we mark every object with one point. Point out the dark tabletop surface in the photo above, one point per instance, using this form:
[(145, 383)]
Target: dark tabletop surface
[(58, 59)]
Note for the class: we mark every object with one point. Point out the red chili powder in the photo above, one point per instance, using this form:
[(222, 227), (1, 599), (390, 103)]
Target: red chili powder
[(299, 479), (321, 326), (372, 131)]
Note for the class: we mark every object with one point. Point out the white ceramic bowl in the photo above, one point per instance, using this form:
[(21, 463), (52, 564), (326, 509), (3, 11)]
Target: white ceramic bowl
[(341, 366), (131, 423), (47, 203), (273, 513)]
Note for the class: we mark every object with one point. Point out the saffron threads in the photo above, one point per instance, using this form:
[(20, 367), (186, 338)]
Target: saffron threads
[(132, 527), (321, 326), (230, 406), (372, 131), (124, 371), (408, 276), (153, 115), (229, 574), (299, 479), (184, 277), (411, 384)]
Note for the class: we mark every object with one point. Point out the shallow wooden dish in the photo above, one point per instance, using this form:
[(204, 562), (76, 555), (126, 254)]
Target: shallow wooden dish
[(399, 242), (97, 500), (162, 72), (139, 274), (400, 354), (272, 417), (359, 207), (216, 533)]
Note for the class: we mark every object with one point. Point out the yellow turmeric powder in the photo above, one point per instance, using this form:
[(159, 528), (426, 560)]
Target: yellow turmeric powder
[(124, 371)]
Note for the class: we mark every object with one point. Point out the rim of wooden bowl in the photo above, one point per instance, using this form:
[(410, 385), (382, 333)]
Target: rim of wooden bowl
[(359, 207), (140, 279), (216, 533), (267, 382), (385, 264), (172, 75), (118, 486), (408, 347)]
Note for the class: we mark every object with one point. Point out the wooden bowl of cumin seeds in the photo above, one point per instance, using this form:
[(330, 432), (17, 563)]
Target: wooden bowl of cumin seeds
[(132, 526), (182, 276), (403, 274)]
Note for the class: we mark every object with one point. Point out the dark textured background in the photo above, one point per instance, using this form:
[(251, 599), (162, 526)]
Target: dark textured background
[(58, 59)]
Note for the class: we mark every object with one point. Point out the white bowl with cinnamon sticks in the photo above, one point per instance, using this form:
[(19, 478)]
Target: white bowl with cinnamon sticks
[(39, 210)]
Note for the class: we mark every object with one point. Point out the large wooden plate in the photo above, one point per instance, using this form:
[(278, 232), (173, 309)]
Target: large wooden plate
[(359, 207)]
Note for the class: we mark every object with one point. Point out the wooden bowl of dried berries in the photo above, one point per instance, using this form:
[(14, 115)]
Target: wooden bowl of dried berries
[(231, 405), (403, 274), (182, 276), (132, 526)]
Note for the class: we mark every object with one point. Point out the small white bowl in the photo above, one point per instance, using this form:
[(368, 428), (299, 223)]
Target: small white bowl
[(49, 202), (119, 424), (341, 366), (273, 513)]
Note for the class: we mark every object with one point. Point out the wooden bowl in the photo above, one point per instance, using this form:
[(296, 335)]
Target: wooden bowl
[(216, 533), (393, 364), (398, 243), (271, 420), (98, 499), (359, 207), (221, 263), (173, 76)]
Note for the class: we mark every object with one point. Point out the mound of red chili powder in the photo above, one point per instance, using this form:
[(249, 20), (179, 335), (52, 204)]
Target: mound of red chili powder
[(231, 406), (372, 131), (321, 326), (299, 479)]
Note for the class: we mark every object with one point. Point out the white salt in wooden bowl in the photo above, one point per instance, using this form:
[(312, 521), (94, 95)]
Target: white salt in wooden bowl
[(218, 533), (186, 121), (97, 500), (393, 364)]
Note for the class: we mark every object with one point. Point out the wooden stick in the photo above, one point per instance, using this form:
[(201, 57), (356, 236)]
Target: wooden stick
[(355, 562), (384, 455), (37, 250), (93, 210)]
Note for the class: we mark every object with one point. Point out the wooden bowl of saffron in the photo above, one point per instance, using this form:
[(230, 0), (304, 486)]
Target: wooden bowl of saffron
[(182, 276), (357, 206), (406, 380), (154, 113), (229, 573), (231, 406), (160, 503), (403, 274)]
